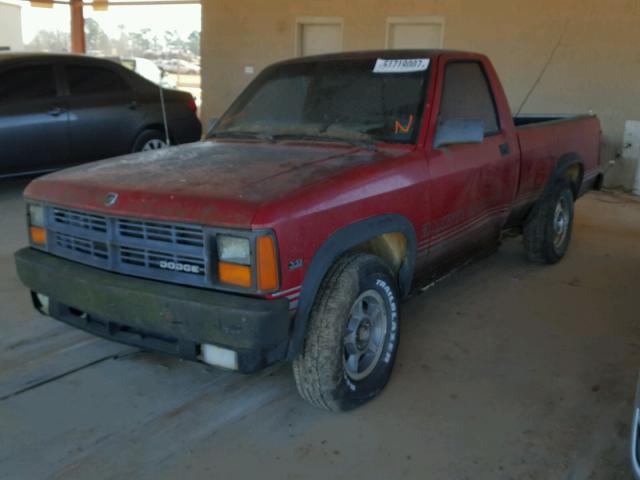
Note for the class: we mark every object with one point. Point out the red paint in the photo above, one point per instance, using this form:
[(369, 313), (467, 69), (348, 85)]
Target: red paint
[(457, 198)]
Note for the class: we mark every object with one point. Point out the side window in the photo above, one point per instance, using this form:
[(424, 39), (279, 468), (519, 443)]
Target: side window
[(27, 83), (93, 80), (467, 95)]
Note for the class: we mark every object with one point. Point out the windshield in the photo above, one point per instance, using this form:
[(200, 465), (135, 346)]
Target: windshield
[(330, 99)]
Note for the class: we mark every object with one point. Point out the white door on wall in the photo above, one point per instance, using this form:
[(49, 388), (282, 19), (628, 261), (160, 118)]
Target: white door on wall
[(407, 33), (319, 35)]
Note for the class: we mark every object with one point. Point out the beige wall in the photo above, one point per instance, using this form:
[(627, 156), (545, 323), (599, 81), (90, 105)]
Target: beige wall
[(596, 66), (11, 26)]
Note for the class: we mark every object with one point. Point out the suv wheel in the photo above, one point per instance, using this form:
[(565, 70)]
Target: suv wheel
[(352, 336), (548, 232)]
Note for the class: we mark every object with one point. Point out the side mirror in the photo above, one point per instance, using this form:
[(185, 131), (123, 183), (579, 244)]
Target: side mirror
[(458, 131)]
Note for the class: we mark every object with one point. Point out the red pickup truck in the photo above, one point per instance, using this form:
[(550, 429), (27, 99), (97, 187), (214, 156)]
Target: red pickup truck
[(331, 188)]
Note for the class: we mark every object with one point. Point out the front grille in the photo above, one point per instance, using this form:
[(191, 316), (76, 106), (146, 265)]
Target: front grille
[(141, 257), (82, 246), (161, 232), (157, 250), (82, 220)]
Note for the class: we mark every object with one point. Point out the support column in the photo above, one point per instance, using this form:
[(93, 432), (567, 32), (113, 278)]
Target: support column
[(78, 44)]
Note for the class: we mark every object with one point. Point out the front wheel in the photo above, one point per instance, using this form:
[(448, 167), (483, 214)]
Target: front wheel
[(547, 233), (352, 336)]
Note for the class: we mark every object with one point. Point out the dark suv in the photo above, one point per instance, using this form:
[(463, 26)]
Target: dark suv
[(60, 110)]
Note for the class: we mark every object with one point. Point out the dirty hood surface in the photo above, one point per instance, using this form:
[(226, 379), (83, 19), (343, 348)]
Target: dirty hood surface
[(212, 183)]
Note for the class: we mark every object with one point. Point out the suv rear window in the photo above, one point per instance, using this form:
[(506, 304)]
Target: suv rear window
[(93, 80), (27, 83)]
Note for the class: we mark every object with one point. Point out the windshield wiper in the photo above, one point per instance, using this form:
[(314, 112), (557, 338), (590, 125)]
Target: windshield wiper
[(242, 134), (364, 144)]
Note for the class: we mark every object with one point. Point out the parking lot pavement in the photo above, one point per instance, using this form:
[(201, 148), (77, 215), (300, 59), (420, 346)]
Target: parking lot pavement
[(506, 370)]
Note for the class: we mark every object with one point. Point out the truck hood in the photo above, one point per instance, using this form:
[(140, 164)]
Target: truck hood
[(211, 183)]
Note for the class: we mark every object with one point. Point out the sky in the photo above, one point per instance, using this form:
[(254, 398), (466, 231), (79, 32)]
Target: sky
[(159, 18)]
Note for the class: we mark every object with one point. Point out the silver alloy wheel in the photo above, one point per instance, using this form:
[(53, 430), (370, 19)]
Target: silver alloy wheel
[(154, 144), (366, 331), (561, 218)]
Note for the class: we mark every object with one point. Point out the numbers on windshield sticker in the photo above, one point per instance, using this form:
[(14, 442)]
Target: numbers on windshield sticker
[(401, 65)]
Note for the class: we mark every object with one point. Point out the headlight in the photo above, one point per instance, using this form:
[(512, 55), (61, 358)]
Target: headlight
[(234, 261), (234, 250), (37, 232), (36, 215), (240, 266)]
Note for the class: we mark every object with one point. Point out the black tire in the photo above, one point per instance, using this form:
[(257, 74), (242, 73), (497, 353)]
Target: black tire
[(146, 137), (541, 231), (321, 370)]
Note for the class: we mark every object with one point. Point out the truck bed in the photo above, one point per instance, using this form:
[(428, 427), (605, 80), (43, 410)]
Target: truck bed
[(535, 120), (544, 140)]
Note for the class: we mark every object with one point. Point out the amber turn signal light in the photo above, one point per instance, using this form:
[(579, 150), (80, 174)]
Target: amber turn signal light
[(38, 235), (233, 274), (267, 264)]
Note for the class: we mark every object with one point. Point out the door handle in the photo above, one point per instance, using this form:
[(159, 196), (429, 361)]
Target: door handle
[(56, 111), (504, 149)]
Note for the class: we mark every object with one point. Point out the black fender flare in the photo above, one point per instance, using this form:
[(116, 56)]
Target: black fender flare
[(339, 243), (567, 160)]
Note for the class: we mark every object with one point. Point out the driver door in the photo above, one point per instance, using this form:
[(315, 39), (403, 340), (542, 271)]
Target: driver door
[(471, 184)]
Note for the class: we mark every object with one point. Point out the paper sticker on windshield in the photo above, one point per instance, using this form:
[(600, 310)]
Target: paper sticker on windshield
[(401, 65)]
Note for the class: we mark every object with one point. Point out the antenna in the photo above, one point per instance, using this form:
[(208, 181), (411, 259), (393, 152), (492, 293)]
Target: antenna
[(163, 107), (543, 71)]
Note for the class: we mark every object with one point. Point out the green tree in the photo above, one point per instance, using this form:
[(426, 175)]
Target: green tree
[(172, 40), (50, 41), (193, 43), (122, 45), (96, 39), (140, 41)]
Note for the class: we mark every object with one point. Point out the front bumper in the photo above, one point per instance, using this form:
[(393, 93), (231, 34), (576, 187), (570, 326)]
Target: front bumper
[(159, 316)]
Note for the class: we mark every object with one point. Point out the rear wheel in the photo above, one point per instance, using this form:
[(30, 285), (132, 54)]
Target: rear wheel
[(547, 233), (352, 337), (149, 140)]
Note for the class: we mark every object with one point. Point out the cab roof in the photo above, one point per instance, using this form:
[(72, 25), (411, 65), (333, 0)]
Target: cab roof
[(373, 54)]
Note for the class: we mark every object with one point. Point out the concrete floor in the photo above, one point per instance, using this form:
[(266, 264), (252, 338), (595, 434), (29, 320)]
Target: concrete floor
[(506, 370)]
